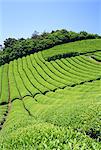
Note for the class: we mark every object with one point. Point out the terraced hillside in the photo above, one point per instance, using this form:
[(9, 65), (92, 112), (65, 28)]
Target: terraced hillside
[(52, 99)]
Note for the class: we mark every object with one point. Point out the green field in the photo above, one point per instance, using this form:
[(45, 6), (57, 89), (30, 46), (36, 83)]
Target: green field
[(52, 105)]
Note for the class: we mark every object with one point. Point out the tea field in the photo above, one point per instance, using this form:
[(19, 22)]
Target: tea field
[(51, 100)]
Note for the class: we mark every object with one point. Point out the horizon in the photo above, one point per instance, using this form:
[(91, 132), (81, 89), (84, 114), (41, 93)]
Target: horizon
[(21, 18)]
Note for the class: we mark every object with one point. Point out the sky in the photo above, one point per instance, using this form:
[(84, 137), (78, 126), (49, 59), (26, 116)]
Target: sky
[(20, 18)]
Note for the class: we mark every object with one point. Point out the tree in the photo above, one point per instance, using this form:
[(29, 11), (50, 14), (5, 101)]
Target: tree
[(9, 42), (35, 35), (44, 34), (84, 33)]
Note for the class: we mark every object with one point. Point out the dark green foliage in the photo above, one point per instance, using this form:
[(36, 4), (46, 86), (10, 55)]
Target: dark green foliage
[(63, 56), (9, 42), (22, 47)]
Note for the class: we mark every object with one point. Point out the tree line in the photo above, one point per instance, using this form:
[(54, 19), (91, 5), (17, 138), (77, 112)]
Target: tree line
[(15, 48)]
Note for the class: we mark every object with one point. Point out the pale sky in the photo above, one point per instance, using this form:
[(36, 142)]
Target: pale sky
[(19, 18)]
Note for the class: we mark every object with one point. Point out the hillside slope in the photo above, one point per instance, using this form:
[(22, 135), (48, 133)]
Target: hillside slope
[(52, 103)]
